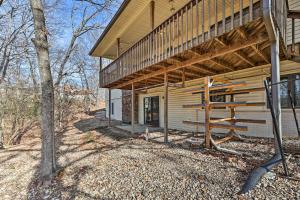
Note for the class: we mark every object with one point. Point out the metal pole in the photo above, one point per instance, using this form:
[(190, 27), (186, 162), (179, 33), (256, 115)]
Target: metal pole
[(166, 109), (109, 107), (132, 108), (275, 76), (278, 142)]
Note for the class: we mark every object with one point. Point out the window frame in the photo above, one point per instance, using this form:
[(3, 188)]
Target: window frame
[(213, 98), (291, 86)]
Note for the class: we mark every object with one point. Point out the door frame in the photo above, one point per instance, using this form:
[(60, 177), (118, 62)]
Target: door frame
[(158, 112)]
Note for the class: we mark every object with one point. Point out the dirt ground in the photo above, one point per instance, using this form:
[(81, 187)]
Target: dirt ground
[(106, 163)]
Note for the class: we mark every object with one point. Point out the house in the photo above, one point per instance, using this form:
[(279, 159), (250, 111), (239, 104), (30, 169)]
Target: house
[(162, 50)]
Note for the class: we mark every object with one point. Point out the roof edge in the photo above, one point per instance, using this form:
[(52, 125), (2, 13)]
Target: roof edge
[(110, 24)]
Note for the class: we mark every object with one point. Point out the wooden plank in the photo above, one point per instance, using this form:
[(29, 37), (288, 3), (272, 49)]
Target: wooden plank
[(216, 125), (194, 106), (236, 92), (176, 85), (207, 56), (225, 139), (218, 120), (235, 104), (219, 87), (294, 14), (225, 104), (252, 121)]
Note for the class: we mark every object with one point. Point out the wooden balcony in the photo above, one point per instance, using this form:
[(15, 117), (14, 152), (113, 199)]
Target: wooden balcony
[(203, 38)]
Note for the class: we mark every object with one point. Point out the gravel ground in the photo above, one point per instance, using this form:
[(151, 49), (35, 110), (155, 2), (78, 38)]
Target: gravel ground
[(111, 164)]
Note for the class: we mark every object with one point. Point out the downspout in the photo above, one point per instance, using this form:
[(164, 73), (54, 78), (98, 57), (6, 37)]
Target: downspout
[(259, 172), (268, 19)]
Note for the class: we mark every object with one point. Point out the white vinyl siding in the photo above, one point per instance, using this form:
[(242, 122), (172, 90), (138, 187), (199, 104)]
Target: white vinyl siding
[(116, 100), (294, 5), (254, 77)]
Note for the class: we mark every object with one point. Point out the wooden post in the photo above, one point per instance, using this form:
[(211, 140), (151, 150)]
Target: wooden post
[(132, 108), (166, 109), (109, 107), (275, 76), (207, 110)]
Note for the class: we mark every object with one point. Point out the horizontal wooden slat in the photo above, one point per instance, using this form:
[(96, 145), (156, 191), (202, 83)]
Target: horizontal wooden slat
[(254, 121), (225, 104), (236, 92), (235, 104), (216, 125), (219, 87)]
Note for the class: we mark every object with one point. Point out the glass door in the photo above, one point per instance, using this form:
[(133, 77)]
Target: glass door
[(151, 111)]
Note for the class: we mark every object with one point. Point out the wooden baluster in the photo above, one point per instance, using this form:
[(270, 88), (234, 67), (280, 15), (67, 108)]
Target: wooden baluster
[(241, 12), (232, 14), (202, 20), (177, 32), (250, 10), (197, 21), (192, 25), (223, 17), (173, 37), (142, 53), (182, 27), (148, 49), (216, 18), (156, 45), (170, 38), (208, 19), (293, 35), (135, 58), (163, 42), (157, 50), (187, 28)]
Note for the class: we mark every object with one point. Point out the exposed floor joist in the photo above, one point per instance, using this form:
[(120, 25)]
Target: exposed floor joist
[(233, 48)]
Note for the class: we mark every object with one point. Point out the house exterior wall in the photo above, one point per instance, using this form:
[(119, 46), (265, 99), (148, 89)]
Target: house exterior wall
[(294, 5), (253, 76), (116, 99)]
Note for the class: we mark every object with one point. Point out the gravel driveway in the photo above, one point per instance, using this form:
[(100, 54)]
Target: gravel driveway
[(110, 164)]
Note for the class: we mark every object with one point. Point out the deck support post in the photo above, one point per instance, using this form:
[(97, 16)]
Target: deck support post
[(132, 108), (207, 111), (109, 107), (166, 108), (275, 78)]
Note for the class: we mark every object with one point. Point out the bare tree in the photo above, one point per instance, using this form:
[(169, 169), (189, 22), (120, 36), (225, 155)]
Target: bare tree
[(48, 163)]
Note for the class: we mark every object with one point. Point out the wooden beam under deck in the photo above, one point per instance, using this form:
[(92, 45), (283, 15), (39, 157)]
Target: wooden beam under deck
[(201, 58)]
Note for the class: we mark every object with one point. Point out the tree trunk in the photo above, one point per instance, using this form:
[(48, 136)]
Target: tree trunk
[(48, 163)]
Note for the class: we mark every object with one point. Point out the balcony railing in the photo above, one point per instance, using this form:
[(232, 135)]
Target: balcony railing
[(195, 23)]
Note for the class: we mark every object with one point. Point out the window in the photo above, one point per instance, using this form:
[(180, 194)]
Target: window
[(112, 108), (290, 84), (218, 98)]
